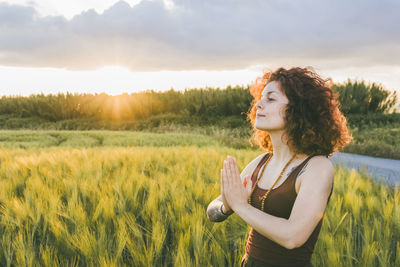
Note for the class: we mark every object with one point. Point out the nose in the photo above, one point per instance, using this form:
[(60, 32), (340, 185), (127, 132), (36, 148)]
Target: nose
[(259, 104)]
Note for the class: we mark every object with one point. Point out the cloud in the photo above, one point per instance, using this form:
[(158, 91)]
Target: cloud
[(207, 34)]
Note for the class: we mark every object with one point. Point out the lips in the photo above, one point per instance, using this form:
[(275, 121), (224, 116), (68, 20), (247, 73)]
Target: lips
[(260, 115)]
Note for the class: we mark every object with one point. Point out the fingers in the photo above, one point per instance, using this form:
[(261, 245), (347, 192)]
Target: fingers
[(224, 177), (233, 170), (227, 169), (233, 166)]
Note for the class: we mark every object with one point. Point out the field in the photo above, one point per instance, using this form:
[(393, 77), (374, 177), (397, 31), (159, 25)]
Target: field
[(101, 198), (374, 135), (376, 142)]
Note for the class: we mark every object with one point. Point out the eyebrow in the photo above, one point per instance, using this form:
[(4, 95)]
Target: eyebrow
[(268, 93)]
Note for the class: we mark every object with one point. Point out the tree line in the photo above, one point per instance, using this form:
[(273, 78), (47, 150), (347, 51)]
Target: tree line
[(355, 98)]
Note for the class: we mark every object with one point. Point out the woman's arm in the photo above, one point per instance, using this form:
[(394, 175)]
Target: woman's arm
[(307, 211), (214, 213)]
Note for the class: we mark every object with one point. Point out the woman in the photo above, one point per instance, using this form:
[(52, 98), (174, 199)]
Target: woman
[(297, 121)]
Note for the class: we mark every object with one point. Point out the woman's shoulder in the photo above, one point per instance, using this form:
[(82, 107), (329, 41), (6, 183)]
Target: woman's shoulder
[(248, 170), (319, 166), (258, 159), (321, 162)]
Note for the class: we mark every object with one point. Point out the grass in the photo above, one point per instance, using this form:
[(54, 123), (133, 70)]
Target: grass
[(146, 206), (104, 138), (376, 142), (374, 135)]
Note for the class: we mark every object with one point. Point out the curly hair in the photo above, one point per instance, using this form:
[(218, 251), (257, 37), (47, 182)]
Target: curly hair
[(313, 122)]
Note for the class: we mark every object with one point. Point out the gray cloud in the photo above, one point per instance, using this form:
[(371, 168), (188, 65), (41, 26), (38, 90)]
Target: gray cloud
[(207, 34)]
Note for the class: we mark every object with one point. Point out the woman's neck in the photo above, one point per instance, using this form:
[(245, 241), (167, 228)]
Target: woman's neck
[(281, 151)]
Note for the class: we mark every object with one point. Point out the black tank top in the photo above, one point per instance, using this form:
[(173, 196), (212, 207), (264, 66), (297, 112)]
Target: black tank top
[(279, 203)]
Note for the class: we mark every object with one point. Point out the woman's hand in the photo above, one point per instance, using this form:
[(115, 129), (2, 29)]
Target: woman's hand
[(226, 205), (232, 190)]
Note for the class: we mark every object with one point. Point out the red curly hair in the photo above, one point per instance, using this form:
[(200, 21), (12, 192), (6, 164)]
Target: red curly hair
[(313, 122)]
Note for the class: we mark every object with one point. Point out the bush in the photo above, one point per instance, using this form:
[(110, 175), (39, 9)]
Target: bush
[(374, 120), (360, 98)]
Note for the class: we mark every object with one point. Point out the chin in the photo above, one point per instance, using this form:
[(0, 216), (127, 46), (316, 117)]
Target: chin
[(266, 128), (260, 127)]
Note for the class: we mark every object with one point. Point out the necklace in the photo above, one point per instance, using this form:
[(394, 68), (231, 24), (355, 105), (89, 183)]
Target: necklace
[(262, 171)]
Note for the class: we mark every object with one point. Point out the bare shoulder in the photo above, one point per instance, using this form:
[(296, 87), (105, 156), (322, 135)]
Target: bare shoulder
[(319, 171), (249, 169), (257, 160), (322, 163)]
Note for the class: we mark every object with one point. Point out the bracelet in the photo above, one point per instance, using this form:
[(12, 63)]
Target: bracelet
[(214, 211), (226, 214)]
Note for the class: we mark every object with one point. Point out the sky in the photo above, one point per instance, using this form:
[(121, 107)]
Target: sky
[(111, 46)]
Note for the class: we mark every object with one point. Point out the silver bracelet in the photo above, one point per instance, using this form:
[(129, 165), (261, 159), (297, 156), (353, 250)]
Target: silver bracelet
[(214, 211), (222, 210)]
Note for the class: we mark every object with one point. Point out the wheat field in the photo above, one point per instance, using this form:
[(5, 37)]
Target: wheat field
[(146, 206)]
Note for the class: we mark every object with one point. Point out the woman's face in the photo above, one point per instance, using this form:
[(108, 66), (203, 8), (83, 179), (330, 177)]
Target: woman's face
[(271, 108)]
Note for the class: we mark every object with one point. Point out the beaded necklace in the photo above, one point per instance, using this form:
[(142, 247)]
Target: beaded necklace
[(262, 171)]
